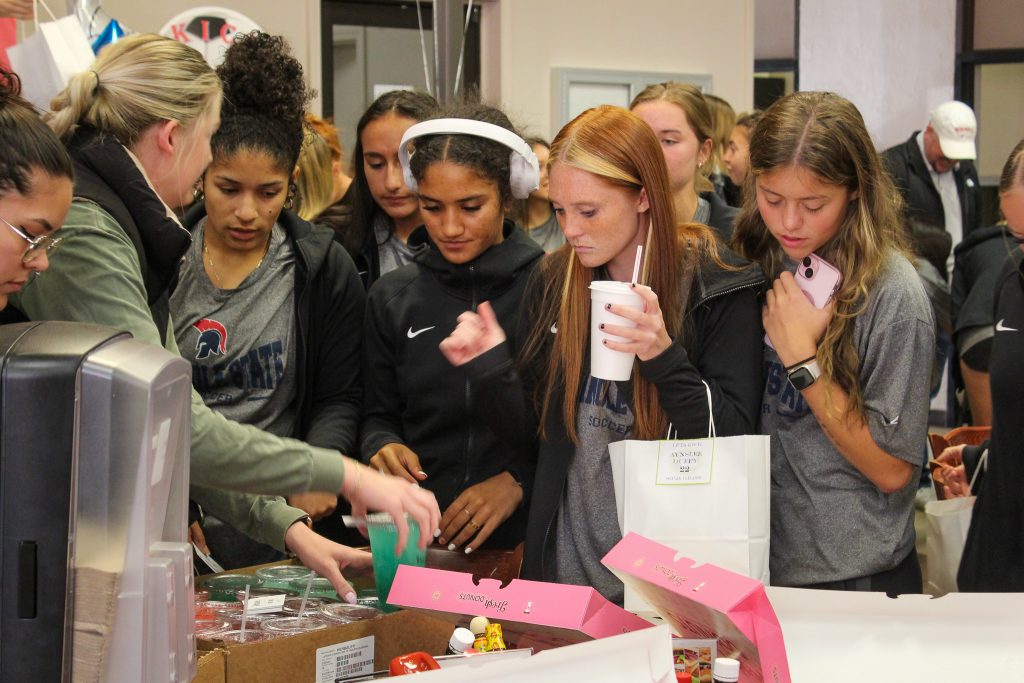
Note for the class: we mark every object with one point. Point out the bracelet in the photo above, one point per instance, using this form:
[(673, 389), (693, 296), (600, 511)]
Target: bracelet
[(359, 479), (790, 368)]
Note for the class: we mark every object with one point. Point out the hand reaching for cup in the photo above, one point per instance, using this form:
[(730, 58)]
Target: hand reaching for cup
[(368, 489), (475, 334)]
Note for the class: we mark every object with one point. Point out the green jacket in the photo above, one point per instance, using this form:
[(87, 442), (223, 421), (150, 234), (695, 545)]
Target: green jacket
[(96, 278)]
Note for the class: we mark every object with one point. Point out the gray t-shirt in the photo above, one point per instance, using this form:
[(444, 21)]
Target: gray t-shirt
[(548, 235), (587, 525), (392, 252), (828, 521), (241, 342)]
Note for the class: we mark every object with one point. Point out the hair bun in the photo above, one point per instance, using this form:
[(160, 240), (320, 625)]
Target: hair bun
[(262, 78)]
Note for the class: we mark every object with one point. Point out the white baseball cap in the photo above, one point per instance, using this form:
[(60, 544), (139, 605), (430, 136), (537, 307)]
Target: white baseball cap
[(956, 127)]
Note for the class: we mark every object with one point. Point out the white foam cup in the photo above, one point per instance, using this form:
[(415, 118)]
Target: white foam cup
[(604, 362)]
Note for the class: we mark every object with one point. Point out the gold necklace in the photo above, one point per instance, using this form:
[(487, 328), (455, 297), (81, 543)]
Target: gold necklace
[(213, 268)]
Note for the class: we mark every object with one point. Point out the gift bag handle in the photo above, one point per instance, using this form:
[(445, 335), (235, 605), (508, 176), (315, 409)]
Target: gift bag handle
[(35, 14), (974, 477), (711, 418)]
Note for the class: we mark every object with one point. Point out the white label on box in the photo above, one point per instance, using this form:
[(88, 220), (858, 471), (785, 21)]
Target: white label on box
[(351, 658), (685, 462), (266, 603)]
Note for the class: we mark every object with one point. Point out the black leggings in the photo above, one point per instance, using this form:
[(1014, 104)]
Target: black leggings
[(903, 578)]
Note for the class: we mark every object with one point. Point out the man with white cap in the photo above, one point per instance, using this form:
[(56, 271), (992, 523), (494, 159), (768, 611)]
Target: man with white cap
[(934, 171)]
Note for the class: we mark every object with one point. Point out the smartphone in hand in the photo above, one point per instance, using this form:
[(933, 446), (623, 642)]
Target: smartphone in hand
[(818, 279)]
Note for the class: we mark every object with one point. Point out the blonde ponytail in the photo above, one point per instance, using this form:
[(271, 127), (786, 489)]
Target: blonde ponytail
[(134, 83)]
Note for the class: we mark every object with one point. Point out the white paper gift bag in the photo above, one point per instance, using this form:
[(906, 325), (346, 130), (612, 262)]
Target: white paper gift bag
[(947, 524), (47, 59), (707, 498)]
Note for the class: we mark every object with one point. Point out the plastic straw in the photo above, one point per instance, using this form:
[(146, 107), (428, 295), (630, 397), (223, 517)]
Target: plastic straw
[(245, 613), (636, 264), (305, 596)]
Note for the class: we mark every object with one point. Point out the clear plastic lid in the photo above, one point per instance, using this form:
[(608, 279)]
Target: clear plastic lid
[(262, 593), (225, 586), (291, 605), (251, 635), (207, 629), (205, 611), (283, 574), (293, 625), (320, 587), (344, 613)]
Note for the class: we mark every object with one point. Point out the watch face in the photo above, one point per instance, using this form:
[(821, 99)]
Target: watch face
[(801, 378)]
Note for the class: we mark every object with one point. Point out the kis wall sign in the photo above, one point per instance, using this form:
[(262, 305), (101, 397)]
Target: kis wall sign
[(210, 30)]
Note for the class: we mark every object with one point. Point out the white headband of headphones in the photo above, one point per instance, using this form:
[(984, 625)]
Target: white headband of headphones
[(524, 173)]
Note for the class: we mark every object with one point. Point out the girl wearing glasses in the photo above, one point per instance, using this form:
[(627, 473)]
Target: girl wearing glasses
[(35, 189), (138, 127)]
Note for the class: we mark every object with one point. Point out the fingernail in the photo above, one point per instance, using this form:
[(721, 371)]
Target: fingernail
[(350, 598), (601, 326), (437, 532), (421, 473), (607, 307), (633, 285), (451, 546), (468, 550), (441, 541), (605, 342)]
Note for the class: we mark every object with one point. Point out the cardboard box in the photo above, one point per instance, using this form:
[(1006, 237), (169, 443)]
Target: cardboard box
[(296, 659), (643, 656), (210, 667), (842, 637), (531, 613), (705, 601)]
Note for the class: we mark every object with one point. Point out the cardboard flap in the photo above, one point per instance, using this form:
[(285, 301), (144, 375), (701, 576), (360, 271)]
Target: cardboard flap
[(705, 602), (531, 613)]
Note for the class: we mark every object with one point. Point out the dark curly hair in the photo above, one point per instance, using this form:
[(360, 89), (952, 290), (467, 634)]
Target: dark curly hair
[(26, 143), (489, 159), (265, 98)]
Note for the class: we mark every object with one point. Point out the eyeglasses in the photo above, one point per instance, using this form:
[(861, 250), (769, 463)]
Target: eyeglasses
[(37, 246)]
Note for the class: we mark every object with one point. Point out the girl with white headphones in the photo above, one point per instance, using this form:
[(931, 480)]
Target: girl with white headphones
[(420, 419)]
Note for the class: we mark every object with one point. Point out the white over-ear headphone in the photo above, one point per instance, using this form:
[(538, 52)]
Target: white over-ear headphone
[(524, 173)]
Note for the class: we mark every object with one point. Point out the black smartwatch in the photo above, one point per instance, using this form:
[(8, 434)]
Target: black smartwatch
[(804, 375)]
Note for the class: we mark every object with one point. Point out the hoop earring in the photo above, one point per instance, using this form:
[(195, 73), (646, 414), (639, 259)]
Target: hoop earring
[(197, 191), (289, 201)]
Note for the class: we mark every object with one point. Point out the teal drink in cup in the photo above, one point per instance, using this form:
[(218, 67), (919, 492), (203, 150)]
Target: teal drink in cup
[(383, 537)]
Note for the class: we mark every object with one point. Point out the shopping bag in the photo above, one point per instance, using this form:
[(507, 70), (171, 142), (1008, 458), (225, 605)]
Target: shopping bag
[(707, 498), (48, 58), (947, 524)]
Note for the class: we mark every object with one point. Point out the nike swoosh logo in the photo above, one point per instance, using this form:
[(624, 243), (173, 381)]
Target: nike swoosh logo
[(1000, 327), (893, 422), (554, 329), (417, 333)]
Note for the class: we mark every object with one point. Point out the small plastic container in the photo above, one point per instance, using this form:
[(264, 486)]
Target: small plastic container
[(213, 628), (207, 611), (320, 588), (252, 635), (293, 625), (201, 595), (225, 586), (282, 577), (461, 640), (343, 613), (291, 606), (252, 620)]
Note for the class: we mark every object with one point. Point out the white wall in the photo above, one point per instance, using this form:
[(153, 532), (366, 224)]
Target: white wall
[(681, 36), (894, 60), (296, 20)]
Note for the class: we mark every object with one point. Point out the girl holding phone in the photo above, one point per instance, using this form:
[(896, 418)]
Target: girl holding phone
[(846, 398)]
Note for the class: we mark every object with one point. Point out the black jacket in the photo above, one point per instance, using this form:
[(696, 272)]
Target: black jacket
[(329, 305), (723, 216), (993, 559), (909, 170), (723, 347), (413, 394)]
